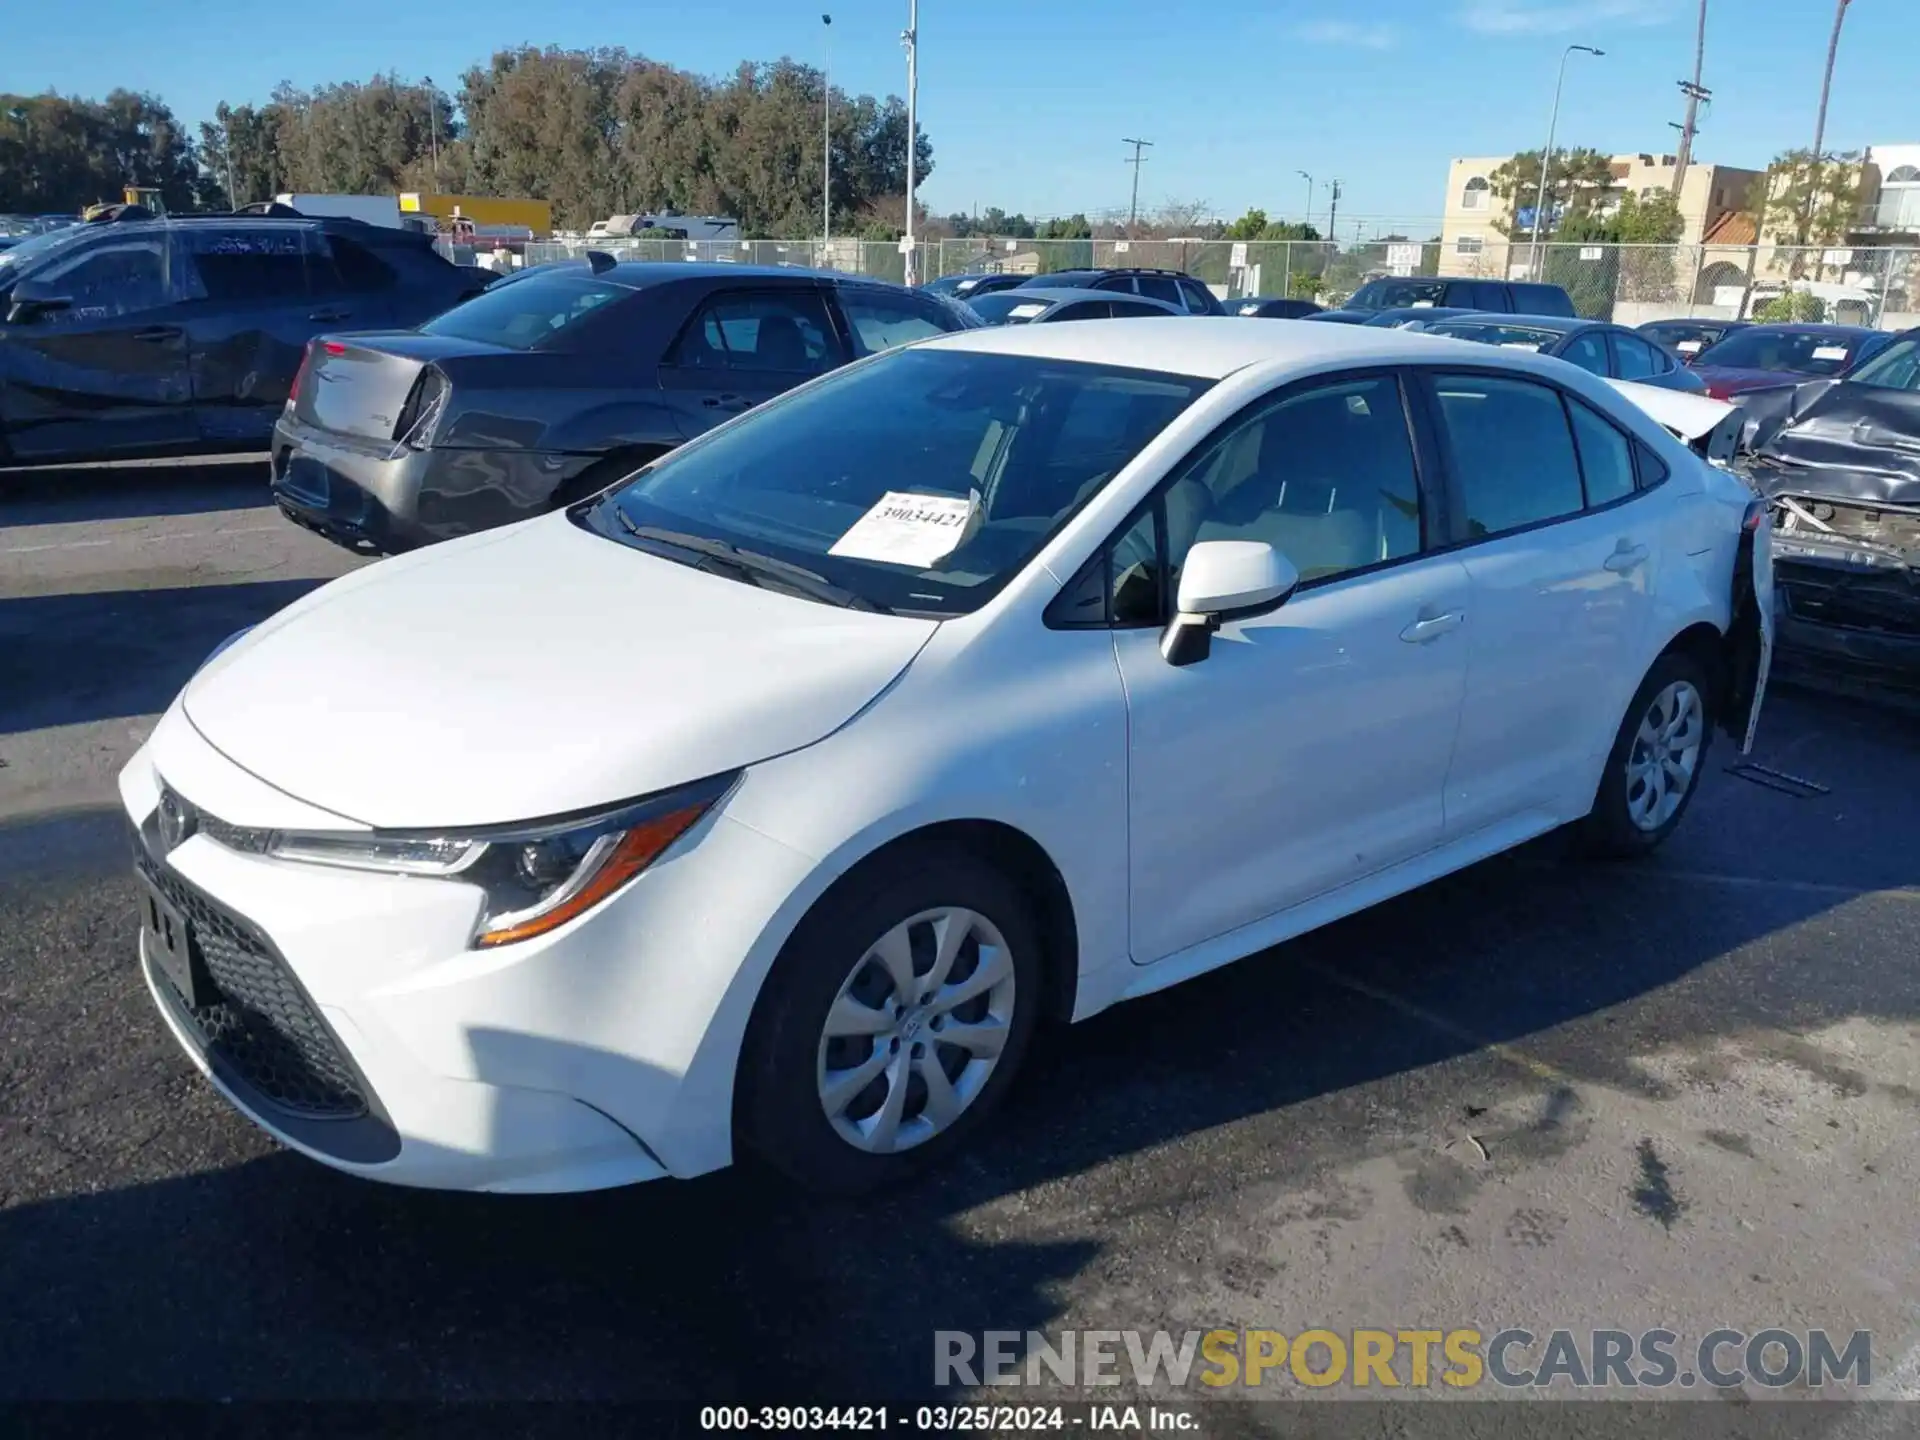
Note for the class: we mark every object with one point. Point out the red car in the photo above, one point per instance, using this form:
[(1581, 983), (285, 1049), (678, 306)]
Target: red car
[(1765, 357)]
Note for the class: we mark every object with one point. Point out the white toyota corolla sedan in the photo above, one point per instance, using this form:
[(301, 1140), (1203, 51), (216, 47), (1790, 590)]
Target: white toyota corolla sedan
[(766, 802)]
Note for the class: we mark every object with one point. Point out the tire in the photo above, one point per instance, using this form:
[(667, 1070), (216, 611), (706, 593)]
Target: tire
[(791, 1070), (1627, 818)]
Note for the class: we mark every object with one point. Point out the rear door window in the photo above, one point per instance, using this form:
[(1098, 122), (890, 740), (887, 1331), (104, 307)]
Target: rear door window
[(785, 332), (1160, 287), (1588, 350), (242, 264), (1511, 452), (880, 320), (1095, 310), (1634, 359), (356, 269), (1117, 282)]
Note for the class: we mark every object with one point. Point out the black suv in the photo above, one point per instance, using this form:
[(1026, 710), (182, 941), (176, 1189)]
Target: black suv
[(1511, 297), (1169, 287), (553, 384), (150, 337)]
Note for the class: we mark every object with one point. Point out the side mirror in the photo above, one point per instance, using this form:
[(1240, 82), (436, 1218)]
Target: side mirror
[(31, 300), (1224, 580)]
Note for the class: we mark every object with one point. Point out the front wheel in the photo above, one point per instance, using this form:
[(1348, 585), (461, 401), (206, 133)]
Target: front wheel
[(892, 1024), (1656, 762)]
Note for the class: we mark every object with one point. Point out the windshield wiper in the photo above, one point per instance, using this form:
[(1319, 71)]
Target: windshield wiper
[(751, 566)]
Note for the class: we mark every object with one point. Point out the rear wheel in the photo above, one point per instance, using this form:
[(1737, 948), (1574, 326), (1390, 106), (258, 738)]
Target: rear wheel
[(1656, 762), (892, 1024)]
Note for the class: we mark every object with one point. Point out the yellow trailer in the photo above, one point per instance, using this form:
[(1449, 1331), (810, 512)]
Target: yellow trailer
[(483, 212)]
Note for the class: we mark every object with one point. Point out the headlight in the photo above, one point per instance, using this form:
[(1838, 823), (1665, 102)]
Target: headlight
[(535, 877)]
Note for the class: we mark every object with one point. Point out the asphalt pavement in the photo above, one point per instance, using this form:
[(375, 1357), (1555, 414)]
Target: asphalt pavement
[(1682, 1092)]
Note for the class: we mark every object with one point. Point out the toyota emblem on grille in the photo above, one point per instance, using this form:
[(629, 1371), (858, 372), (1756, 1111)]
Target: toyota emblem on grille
[(177, 820)]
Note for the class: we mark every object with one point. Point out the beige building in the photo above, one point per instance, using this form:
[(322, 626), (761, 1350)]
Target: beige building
[(1472, 242)]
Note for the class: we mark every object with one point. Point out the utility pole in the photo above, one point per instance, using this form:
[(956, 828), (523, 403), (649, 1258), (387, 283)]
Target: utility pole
[(826, 140), (1333, 210), (433, 126), (1695, 93), (911, 39), (1308, 213), (1133, 210)]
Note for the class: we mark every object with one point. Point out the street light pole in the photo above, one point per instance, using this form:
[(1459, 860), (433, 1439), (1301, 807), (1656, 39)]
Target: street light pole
[(233, 198), (826, 140), (433, 126), (1546, 158), (912, 41), (1309, 179)]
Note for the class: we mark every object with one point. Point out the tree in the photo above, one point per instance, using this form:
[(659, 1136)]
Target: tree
[(1067, 227), (1576, 184), (1812, 202), (58, 153), (1792, 307)]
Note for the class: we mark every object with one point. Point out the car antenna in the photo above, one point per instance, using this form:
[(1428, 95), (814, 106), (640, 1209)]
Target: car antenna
[(601, 261)]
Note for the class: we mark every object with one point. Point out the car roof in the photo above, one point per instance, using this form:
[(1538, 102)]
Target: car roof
[(1208, 347), (1078, 294), (639, 273), (1838, 332)]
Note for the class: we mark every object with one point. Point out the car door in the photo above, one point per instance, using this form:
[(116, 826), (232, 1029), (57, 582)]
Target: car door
[(106, 372), (1561, 552), (1311, 746), (259, 303), (742, 347)]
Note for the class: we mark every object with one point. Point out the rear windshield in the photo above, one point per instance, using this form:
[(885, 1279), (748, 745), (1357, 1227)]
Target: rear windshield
[(1007, 307), (920, 481), (1683, 333), (1514, 337), (528, 314), (1798, 352), (1393, 294)]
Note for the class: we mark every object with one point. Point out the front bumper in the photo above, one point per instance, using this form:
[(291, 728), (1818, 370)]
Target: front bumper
[(1848, 613), (347, 1016), (382, 498)]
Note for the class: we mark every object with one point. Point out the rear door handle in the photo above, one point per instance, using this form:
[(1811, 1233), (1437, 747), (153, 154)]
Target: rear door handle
[(1431, 627), (157, 334), (1627, 558), (327, 317), (725, 402)]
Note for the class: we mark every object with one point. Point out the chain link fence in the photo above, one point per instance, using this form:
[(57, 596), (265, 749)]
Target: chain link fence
[(1628, 284)]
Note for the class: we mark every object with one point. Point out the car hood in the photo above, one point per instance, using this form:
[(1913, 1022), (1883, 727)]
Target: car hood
[(530, 672), (1842, 440)]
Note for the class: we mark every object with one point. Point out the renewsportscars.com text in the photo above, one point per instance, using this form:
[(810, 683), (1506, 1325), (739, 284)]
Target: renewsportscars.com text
[(1460, 1358)]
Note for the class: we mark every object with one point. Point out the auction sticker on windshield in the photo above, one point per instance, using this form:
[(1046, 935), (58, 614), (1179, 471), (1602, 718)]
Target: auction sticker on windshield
[(907, 529), (1830, 352)]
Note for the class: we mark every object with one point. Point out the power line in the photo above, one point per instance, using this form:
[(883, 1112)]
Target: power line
[(1133, 211)]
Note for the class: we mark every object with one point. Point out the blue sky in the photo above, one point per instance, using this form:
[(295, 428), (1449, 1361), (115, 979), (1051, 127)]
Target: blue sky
[(1026, 103)]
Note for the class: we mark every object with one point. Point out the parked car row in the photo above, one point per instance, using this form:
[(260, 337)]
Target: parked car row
[(764, 800)]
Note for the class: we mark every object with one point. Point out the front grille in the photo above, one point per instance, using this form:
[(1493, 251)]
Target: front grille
[(1882, 603), (258, 1021)]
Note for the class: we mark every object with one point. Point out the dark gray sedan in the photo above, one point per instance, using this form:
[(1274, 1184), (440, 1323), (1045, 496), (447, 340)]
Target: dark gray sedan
[(551, 385), (1610, 350)]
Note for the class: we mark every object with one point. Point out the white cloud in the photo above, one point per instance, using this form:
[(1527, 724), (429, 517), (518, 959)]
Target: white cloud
[(1527, 17), (1366, 36)]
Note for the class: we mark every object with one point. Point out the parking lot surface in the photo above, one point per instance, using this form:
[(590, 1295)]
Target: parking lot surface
[(1545, 1093)]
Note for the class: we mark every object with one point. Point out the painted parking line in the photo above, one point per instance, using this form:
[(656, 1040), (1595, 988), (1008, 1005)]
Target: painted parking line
[(141, 539)]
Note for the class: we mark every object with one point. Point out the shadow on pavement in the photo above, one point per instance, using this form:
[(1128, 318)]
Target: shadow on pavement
[(132, 491), (264, 1275), (110, 654)]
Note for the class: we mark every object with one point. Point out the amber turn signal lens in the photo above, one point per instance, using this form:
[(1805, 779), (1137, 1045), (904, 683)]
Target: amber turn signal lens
[(636, 850)]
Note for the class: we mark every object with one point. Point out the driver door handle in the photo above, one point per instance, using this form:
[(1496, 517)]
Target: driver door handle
[(1431, 627), (725, 402), (157, 334), (1627, 558), (327, 317)]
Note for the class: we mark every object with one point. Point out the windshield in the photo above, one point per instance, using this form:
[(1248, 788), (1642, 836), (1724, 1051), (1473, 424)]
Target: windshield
[(1895, 368), (920, 481), (1007, 307), (1800, 352), (1514, 337), (1393, 294), (528, 313)]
